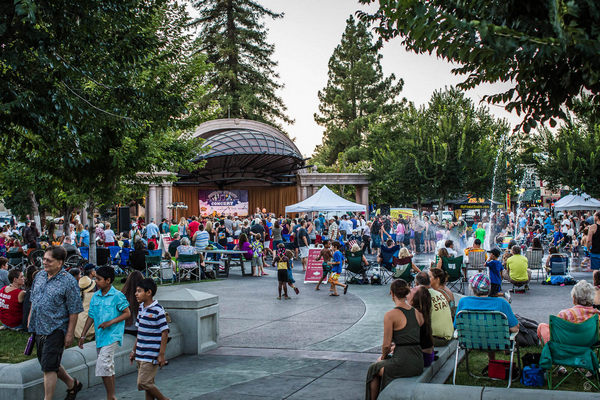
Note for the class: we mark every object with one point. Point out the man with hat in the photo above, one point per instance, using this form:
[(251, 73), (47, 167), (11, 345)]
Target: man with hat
[(87, 287), (481, 287), (90, 271), (333, 230)]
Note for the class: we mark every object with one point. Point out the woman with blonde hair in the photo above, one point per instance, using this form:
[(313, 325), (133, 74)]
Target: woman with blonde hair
[(183, 227), (404, 253), (78, 231)]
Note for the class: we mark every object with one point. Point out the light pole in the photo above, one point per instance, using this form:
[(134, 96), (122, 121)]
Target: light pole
[(177, 205)]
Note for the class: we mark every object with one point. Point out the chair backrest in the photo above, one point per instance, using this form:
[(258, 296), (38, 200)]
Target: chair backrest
[(387, 255), (559, 265), (124, 255), (152, 259), (453, 267), (354, 259), (189, 258), (155, 253), (102, 255), (534, 258), (483, 330), (476, 258), (114, 250), (85, 252), (583, 334), (402, 267)]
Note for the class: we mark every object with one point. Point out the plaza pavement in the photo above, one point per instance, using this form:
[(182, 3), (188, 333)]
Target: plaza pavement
[(313, 346)]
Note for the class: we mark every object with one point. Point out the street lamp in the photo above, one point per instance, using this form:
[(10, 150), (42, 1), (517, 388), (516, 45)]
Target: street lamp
[(177, 205)]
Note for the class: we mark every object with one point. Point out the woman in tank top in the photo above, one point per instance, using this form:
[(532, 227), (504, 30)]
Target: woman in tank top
[(11, 301)]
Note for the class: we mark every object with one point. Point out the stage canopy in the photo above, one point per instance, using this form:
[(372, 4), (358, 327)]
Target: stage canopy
[(325, 200), (576, 202)]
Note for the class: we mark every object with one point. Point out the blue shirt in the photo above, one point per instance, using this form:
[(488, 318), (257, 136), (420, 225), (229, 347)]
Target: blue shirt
[(52, 301), (557, 237), (548, 224), (151, 230), (104, 308), (354, 223), (337, 257), (85, 237), (495, 267), (474, 303)]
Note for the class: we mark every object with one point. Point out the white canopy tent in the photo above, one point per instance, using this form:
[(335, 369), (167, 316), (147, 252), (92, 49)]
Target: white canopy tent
[(575, 202), (325, 200)]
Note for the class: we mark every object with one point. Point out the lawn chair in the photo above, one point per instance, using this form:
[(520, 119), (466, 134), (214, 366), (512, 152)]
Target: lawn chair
[(356, 272), (103, 257), (476, 260), (85, 252), (403, 269), (571, 345), (16, 260), (534, 262), (124, 262), (453, 266), (195, 272), (559, 265), (485, 331), (153, 269), (114, 250)]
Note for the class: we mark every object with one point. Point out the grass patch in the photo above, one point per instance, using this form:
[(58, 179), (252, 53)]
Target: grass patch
[(479, 360), (12, 346)]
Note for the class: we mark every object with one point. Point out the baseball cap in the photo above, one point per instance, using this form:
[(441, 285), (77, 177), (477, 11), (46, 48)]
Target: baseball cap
[(88, 267), (495, 251), (480, 281)]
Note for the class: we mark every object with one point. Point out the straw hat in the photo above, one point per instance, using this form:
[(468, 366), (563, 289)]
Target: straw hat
[(87, 285)]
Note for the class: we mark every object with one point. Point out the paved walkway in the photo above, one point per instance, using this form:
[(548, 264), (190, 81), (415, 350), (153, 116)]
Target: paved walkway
[(313, 346)]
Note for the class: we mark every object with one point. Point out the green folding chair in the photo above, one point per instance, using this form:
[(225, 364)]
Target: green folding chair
[(453, 266), (356, 272), (572, 345), (484, 331), (153, 268), (194, 272), (403, 268)]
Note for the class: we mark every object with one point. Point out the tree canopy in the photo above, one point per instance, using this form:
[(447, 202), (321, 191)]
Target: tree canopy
[(547, 49), (243, 78)]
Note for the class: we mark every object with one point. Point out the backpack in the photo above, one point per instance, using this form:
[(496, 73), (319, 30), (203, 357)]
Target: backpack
[(527, 332), (532, 376), (375, 280)]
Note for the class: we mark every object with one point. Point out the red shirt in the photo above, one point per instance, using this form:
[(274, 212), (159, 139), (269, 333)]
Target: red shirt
[(193, 228), (11, 311)]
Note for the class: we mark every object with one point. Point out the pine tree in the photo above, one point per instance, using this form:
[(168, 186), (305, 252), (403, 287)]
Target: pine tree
[(356, 91), (243, 79)]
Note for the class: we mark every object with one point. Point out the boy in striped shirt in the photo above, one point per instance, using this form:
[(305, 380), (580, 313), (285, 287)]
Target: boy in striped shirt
[(151, 342)]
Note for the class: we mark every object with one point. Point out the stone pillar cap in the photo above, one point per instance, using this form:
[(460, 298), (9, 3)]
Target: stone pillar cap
[(185, 298)]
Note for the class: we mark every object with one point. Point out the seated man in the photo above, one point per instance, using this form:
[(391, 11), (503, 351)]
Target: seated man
[(69, 246), (473, 249), (481, 286), (449, 245), (516, 271), (583, 294), (441, 315), (386, 253)]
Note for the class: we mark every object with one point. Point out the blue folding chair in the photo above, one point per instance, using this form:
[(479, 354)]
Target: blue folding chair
[(85, 252), (124, 261), (155, 253), (114, 250)]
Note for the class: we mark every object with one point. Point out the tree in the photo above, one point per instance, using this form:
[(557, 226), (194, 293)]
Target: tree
[(243, 76), (549, 49), (356, 91)]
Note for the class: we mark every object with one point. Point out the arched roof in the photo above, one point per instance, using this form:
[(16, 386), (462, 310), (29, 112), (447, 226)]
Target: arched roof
[(244, 153)]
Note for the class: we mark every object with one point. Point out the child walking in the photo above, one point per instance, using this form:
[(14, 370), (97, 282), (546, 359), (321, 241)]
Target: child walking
[(326, 255), (257, 255), (109, 309), (336, 270), (290, 255), (151, 342), (281, 261)]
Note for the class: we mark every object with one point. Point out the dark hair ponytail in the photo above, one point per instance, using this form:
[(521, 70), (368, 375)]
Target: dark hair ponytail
[(400, 288), (440, 274)]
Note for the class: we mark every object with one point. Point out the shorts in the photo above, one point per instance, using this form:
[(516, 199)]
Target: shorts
[(376, 241), (326, 268), (594, 261), (256, 262), (291, 277), (400, 238), (105, 364), (303, 252), (50, 350), (282, 275), (334, 277), (146, 374), (496, 288)]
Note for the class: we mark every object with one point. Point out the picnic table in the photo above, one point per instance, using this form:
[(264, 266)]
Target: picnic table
[(227, 257)]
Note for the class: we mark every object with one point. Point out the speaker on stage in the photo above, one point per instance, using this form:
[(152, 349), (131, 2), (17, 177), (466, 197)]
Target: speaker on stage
[(384, 209), (123, 219)]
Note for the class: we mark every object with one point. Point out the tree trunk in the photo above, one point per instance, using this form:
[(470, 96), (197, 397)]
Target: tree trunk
[(67, 219), (35, 210), (441, 202), (419, 201), (92, 228)]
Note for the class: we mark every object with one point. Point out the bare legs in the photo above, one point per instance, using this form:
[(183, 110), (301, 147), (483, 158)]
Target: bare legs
[(109, 384), (375, 384), (51, 378)]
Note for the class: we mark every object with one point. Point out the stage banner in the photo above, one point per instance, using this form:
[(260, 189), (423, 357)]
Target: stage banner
[(223, 202), (314, 269)]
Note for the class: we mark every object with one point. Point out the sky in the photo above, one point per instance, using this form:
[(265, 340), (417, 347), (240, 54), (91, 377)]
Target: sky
[(304, 41)]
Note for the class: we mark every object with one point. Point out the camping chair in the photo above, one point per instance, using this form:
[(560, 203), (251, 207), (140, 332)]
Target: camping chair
[(484, 331), (571, 345), (534, 262), (559, 265), (386, 266), (403, 269), (124, 259), (85, 252), (453, 266), (103, 257), (195, 272), (476, 260), (155, 253), (153, 267), (114, 250), (356, 272), (15, 259)]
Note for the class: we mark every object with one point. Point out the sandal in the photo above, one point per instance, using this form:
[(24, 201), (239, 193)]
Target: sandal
[(333, 294), (346, 289), (279, 298), (287, 298), (72, 393), (296, 290)]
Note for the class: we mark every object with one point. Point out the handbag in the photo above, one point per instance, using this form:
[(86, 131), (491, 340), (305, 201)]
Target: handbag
[(30, 345), (533, 376), (499, 369)]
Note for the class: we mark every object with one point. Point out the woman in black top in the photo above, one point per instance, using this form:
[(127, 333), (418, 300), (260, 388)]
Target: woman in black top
[(137, 257), (421, 301)]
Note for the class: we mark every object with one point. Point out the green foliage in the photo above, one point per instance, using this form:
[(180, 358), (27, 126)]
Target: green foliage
[(547, 49), (356, 91), (243, 76)]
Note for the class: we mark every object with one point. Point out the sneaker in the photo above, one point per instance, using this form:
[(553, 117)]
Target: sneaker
[(508, 297), (526, 287), (562, 370)]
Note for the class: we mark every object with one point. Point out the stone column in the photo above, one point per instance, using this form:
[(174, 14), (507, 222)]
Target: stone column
[(365, 196), (304, 191), (166, 199), (298, 193), (359, 194), (151, 204)]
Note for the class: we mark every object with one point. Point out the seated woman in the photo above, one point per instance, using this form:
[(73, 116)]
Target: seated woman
[(188, 249), (137, 257), (404, 254), (16, 248), (438, 278), (11, 301), (244, 245), (583, 294), (508, 254), (421, 301), (404, 358), (552, 253), (443, 252), (536, 244)]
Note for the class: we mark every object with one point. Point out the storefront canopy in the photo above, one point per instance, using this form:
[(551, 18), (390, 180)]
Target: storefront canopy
[(576, 202), (325, 200)]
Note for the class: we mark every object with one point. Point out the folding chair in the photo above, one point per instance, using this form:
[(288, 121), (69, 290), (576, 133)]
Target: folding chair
[(155, 253), (194, 272), (476, 260), (484, 331), (572, 345), (16, 259), (387, 266), (103, 257), (153, 269), (85, 252), (403, 268), (124, 263), (453, 266), (114, 250), (356, 272), (534, 262), (559, 265)]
